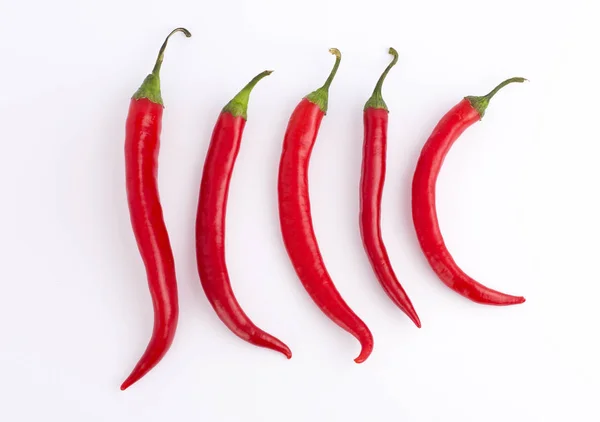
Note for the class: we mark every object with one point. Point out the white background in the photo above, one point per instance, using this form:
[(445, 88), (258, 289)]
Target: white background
[(518, 205)]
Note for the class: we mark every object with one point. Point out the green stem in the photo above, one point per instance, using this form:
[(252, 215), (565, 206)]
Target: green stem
[(161, 52), (376, 100), (150, 88), (238, 106), (320, 97), (481, 103)]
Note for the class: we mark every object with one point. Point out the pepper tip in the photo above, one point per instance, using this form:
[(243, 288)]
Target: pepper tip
[(283, 349), (132, 379), (126, 384), (360, 359), (364, 353)]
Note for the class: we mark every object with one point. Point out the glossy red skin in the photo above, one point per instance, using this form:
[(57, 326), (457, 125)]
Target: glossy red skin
[(371, 189), (297, 228), (142, 143), (210, 233), (447, 131)]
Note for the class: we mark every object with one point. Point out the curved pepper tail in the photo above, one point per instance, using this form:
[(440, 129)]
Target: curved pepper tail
[(270, 342), (280, 347), (366, 343), (131, 379), (481, 294), (412, 314), (138, 372), (401, 299), (155, 351), (517, 300), (502, 299)]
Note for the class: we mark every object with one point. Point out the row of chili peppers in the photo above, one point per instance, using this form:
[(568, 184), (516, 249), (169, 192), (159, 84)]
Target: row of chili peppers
[(141, 150)]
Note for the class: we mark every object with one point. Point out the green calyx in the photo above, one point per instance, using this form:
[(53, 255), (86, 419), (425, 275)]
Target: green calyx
[(238, 106), (481, 103), (376, 100), (320, 97), (150, 88)]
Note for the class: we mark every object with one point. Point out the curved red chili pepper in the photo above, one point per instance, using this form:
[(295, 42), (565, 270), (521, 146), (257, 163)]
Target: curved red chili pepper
[(141, 153), (453, 124), (210, 222), (371, 188), (295, 217)]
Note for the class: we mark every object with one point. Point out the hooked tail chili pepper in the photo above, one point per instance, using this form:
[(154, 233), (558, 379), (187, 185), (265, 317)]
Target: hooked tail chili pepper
[(210, 221), (295, 216), (470, 110), (141, 153), (375, 118)]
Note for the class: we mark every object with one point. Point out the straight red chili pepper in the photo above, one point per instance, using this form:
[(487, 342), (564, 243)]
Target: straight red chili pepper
[(295, 216), (210, 222), (375, 118), (470, 110), (142, 142)]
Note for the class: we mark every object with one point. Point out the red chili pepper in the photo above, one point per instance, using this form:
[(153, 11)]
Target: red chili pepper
[(470, 110), (210, 222), (295, 217), (372, 181), (141, 153)]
